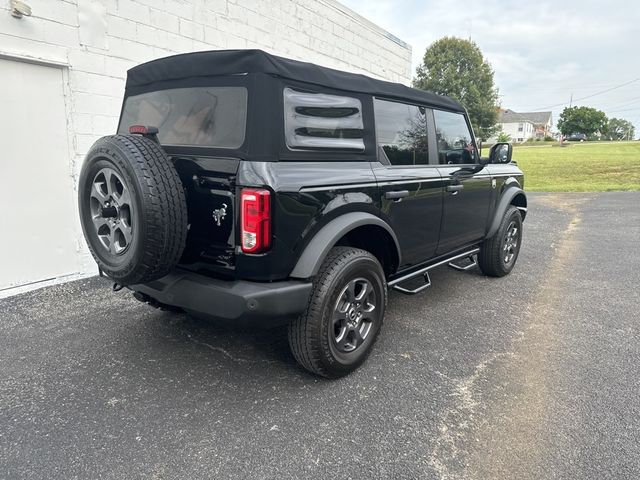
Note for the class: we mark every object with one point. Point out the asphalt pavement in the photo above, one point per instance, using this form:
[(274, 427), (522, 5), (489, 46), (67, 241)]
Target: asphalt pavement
[(535, 375)]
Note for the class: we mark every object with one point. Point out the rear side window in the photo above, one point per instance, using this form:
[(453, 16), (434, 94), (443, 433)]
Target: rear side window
[(319, 121), (202, 116), (455, 143), (401, 131)]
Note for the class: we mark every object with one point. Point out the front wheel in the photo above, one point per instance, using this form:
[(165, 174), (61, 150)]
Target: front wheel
[(499, 253), (336, 332)]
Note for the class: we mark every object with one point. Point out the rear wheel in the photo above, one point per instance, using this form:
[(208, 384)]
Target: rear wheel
[(499, 253), (336, 332)]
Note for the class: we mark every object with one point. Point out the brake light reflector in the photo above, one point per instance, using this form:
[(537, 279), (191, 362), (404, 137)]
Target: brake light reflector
[(140, 129), (255, 220), (143, 130)]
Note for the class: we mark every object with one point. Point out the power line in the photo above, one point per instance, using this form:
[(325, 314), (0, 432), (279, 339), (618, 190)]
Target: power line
[(627, 103), (592, 95), (624, 110)]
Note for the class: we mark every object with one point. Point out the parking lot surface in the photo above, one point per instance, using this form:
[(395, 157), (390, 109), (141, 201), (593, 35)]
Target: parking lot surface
[(535, 375)]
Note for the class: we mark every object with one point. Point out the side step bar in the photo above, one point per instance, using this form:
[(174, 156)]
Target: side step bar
[(397, 283), (473, 261)]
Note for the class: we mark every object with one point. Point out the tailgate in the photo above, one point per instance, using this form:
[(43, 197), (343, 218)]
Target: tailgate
[(210, 190)]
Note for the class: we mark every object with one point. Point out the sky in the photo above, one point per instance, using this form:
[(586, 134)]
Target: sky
[(542, 52)]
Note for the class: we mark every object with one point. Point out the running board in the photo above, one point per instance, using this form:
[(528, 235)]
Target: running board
[(397, 283), (473, 259)]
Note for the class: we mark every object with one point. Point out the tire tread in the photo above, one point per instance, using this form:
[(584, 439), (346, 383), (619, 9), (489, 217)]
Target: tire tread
[(164, 207)]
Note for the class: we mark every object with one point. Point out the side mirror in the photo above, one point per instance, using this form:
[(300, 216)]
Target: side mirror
[(501, 153)]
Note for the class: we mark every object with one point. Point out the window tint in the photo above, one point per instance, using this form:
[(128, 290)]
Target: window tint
[(455, 144), (402, 133), (204, 116), (317, 121)]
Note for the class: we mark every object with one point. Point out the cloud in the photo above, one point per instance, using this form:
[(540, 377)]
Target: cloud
[(541, 52)]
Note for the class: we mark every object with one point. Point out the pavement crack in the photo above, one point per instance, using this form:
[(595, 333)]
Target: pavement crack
[(218, 349), (226, 353)]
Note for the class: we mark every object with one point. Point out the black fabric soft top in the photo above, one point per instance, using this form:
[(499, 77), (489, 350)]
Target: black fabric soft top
[(230, 62)]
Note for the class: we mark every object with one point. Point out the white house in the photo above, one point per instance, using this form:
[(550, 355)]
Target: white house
[(62, 70), (523, 126)]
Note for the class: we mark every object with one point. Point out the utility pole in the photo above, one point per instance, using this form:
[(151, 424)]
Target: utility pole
[(571, 100)]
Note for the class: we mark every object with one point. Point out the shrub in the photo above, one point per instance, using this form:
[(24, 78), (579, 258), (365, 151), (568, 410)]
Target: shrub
[(503, 137)]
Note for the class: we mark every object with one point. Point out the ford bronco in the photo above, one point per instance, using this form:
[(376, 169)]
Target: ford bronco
[(263, 191)]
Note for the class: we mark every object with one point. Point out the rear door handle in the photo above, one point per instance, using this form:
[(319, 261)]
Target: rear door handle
[(396, 195), (454, 189)]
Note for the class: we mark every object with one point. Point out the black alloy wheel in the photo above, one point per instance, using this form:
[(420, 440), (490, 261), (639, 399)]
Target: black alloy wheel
[(354, 315)]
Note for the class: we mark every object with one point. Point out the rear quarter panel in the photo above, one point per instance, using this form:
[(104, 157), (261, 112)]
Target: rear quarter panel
[(307, 195)]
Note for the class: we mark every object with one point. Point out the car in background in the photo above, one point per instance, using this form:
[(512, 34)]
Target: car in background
[(577, 137)]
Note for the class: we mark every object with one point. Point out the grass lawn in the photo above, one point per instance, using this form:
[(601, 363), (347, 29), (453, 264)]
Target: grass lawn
[(580, 167)]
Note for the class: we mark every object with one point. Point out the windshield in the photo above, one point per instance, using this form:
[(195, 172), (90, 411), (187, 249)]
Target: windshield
[(203, 116)]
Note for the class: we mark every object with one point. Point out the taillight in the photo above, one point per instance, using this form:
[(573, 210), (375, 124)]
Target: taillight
[(255, 219)]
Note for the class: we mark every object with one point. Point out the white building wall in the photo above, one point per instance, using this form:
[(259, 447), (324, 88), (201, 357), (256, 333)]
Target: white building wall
[(512, 129), (96, 41)]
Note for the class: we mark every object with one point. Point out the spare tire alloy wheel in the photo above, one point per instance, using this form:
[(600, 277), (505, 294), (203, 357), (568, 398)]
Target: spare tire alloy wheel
[(133, 209), (110, 205)]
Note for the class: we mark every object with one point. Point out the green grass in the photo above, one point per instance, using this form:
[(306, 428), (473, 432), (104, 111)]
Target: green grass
[(580, 167)]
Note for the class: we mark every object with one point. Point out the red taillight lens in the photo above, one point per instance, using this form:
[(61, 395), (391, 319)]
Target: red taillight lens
[(143, 130), (140, 129), (255, 219)]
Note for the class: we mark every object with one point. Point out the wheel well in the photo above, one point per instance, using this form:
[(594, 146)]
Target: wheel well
[(520, 201), (375, 240)]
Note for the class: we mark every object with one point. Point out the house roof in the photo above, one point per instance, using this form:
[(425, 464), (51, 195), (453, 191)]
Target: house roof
[(177, 70), (509, 116)]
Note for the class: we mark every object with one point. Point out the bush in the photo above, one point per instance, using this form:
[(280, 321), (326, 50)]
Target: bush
[(503, 137)]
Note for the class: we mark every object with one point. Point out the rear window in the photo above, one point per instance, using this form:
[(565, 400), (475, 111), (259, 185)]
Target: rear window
[(202, 116)]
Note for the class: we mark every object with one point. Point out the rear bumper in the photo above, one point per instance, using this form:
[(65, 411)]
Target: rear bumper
[(238, 302)]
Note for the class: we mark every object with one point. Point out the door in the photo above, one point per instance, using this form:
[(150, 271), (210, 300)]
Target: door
[(37, 200), (467, 195), (410, 188)]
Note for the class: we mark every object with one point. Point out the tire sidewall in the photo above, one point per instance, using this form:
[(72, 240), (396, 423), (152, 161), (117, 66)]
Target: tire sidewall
[(512, 215), (99, 157), (360, 267)]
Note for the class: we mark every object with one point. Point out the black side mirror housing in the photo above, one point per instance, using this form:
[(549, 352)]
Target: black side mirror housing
[(501, 153)]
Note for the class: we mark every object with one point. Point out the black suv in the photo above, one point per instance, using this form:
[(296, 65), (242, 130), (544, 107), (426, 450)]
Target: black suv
[(265, 191)]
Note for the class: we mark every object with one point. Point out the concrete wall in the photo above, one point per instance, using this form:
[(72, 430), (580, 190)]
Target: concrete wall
[(96, 41)]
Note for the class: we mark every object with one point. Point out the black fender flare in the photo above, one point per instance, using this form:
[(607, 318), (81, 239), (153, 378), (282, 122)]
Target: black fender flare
[(505, 200), (315, 252)]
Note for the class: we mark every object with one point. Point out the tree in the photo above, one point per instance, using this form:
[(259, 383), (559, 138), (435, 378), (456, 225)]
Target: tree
[(585, 120), (620, 129), (455, 67)]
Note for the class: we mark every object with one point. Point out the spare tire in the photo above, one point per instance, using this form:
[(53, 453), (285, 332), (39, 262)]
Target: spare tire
[(133, 209)]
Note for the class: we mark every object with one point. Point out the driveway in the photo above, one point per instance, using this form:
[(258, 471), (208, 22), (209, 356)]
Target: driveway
[(536, 375)]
